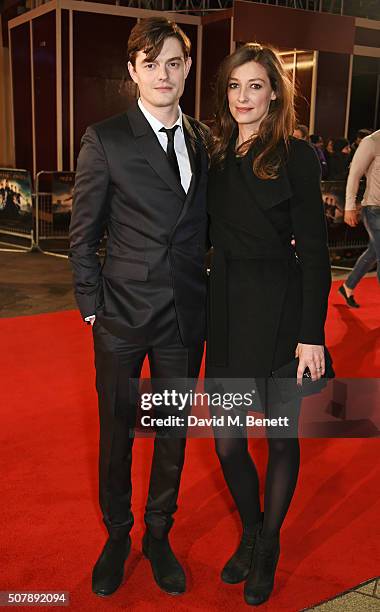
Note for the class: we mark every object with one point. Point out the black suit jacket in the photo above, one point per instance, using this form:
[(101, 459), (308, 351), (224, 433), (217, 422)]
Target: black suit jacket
[(153, 279)]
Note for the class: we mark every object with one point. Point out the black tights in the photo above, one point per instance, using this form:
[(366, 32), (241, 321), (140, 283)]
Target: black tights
[(242, 479)]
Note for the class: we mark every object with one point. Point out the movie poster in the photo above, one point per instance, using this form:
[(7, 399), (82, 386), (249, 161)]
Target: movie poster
[(62, 186), (15, 199), (62, 192)]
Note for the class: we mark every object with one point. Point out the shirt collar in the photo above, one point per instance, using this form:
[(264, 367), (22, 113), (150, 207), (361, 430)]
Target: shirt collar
[(154, 123)]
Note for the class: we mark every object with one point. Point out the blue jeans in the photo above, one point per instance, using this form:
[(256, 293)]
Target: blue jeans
[(371, 220)]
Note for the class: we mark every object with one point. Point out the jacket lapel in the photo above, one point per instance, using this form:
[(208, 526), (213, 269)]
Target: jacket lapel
[(152, 151), (193, 149)]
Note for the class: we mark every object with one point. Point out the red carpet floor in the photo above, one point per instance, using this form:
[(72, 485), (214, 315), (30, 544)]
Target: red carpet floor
[(51, 528)]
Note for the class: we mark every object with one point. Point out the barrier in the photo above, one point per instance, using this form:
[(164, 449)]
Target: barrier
[(54, 194), (340, 235), (53, 205), (16, 209)]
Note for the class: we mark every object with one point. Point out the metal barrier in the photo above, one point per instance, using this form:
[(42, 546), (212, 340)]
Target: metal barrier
[(44, 220), (53, 210), (340, 235), (16, 210)]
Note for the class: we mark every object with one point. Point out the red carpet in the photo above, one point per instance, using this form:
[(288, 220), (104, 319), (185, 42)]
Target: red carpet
[(51, 529), (354, 334)]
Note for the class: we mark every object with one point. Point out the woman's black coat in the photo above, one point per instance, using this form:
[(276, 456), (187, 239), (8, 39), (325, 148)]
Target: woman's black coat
[(266, 295)]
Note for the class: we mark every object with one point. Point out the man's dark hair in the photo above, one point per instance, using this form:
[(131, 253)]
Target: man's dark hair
[(149, 36)]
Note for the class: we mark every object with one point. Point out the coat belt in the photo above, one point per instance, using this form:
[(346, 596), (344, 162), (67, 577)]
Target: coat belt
[(218, 321)]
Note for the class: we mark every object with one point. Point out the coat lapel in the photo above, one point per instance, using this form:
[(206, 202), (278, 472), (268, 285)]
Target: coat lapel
[(151, 149), (233, 187), (261, 195), (266, 192)]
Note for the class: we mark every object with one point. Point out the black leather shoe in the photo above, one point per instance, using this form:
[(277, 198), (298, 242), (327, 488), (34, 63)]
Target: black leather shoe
[(237, 568), (350, 300), (260, 581), (167, 571), (108, 571)]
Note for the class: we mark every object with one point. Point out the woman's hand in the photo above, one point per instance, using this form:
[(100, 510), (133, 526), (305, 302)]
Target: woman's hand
[(310, 356)]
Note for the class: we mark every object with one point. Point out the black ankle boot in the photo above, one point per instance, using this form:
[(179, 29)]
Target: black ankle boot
[(260, 581), (237, 568), (167, 570), (108, 571)]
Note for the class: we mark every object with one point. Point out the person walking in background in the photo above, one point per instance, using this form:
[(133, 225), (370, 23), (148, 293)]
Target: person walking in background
[(366, 161), (142, 176), (268, 298)]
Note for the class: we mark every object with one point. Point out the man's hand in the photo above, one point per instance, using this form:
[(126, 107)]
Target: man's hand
[(351, 217), (310, 356)]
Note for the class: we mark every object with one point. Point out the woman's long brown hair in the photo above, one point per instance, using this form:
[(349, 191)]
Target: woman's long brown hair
[(275, 128)]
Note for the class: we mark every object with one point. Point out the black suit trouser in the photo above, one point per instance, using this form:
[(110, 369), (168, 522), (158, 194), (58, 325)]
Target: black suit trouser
[(116, 363)]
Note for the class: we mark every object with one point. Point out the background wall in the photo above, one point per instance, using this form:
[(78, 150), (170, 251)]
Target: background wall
[(45, 84), (332, 92), (6, 149), (216, 37), (365, 96), (22, 96), (95, 85)]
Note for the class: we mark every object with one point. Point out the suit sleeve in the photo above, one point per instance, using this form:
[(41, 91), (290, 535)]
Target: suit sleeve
[(310, 233), (88, 220)]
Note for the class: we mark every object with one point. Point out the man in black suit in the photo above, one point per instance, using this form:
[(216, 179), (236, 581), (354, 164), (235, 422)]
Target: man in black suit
[(141, 176)]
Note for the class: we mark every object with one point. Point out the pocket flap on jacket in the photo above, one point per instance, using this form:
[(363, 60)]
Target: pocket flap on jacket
[(124, 268)]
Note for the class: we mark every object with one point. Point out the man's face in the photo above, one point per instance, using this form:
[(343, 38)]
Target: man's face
[(161, 81)]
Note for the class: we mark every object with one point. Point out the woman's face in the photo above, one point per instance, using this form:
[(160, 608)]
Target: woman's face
[(249, 94), (329, 146)]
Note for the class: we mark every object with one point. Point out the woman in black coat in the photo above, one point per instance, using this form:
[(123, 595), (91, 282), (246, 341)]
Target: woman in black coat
[(269, 286)]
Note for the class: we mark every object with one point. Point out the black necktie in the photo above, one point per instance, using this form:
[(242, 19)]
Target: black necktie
[(170, 151)]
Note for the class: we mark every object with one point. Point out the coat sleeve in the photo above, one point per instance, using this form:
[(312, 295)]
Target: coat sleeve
[(88, 220), (310, 233)]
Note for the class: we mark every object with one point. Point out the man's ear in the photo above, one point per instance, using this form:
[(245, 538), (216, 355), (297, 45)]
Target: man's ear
[(132, 72), (187, 66)]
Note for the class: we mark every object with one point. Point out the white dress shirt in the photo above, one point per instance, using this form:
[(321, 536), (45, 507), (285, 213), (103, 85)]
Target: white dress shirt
[(179, 143)]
